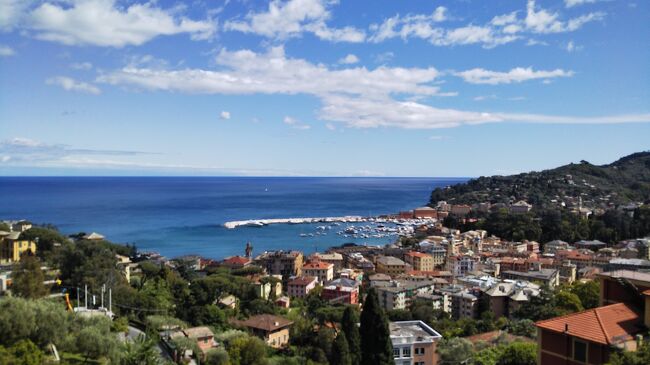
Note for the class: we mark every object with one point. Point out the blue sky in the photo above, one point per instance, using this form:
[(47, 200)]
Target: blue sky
[(320, 87)]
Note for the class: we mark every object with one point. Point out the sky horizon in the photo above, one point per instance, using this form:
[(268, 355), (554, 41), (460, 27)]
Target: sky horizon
[(320, 87)]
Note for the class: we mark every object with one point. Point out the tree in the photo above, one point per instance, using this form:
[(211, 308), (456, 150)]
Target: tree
[(141, 351), (568, 302), (376, 347), (351, 330), (28, 278), (454, 350), (24, 352), (588, 292), (340, 351), (639, 357), (217, 357), (519, 353)]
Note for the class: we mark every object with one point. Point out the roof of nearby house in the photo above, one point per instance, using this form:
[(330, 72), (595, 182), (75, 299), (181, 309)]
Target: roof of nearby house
[(320, 265), (390, 260), (303, 280), (93, 236), (198, 332), (266, 322), (236, 260), (606, 325), (341, 282), (379, 277), (627, 274), (417, 254)]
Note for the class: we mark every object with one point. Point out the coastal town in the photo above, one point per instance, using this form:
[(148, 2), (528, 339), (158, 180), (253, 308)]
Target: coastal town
[(442, 290)]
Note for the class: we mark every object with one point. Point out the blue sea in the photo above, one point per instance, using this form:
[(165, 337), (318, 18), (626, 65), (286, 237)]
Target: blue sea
[(185, 215)]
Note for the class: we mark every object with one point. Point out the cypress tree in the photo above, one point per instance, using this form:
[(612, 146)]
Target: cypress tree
[(376, 347), (340, 351), (351, 330)]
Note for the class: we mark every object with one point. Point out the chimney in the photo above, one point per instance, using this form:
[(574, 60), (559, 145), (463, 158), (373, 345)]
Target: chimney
[(566, 327)]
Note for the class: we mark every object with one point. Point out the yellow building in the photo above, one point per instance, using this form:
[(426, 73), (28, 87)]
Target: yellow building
[(12, 247), (419, 261), (390, 265)]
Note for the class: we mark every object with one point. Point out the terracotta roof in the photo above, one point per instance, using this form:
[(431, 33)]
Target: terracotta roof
[(266, 322), (317, 265), (198, 332), (236, 260), (606, 325), (303, 280), (417, 254)]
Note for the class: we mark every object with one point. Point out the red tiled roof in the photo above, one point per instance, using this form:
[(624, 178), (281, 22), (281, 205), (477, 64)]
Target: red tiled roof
[(417, 254), (606, 325), (237, 260), (317, 265), (266, 322), (303, 280)]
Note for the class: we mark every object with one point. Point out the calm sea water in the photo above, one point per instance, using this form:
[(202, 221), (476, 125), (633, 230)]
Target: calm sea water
[(184, 215)]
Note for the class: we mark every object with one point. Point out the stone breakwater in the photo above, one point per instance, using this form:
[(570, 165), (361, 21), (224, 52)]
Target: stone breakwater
[(264, 222)]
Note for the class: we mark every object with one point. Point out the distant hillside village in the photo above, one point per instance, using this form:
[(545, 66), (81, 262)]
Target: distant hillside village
[(443, 289)]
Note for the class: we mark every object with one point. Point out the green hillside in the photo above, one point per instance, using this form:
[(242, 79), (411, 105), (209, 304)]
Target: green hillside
[(623, 181)]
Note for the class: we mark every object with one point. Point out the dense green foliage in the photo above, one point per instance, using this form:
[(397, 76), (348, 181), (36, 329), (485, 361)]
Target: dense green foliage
[(550, 224), (376, 347), (627, 179), (28, 278), (564, 300), (639, 357), (23, 352), (340, 351), (351, 331)]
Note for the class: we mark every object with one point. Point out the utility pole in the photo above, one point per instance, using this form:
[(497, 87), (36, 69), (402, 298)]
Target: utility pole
[(103, 290), (78, 303), (86, 296), (110, 300)]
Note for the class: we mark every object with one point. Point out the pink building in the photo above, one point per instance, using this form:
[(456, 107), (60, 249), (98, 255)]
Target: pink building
[(301, 286)]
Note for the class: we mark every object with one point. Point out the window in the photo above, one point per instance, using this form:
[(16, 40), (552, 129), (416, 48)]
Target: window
[(406, 352), (419, 350), (396, 353), (419, 363), (579, 351)]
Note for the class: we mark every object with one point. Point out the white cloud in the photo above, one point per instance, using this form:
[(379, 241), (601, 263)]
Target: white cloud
[(501, 29), (572, 3), (224, 115), (437, 138), (424, 27), (81, 66), (104, 23), (355, 97), (330, 126), (70, 84), (12, 13), (518, 74), (288, 19), (543, 21), (484, 97), (295, 123), (6, 51), (349, 59), (247, 72)]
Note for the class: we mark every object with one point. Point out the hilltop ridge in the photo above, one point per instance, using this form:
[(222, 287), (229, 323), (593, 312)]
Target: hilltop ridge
[(623, 181)]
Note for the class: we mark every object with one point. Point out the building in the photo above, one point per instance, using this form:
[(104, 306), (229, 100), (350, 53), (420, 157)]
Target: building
[(398, 294), (267, 288), (342, 290), (390, 265), (301, 286), (460, 210), (286, 264), (520, 207), (274, 330), (464, 305), (414, 343), (323, 271), (236, 262), (94, 236), (623, 286), (12, 248), (504, 298), (588, 337), (203, 337), (419, 261), (124, 264), (550, 277), (438, 254), (334, 258), (460, 265), (425, 212)]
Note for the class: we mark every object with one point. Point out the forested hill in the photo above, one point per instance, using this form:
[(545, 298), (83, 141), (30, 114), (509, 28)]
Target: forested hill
[(623, 181)]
